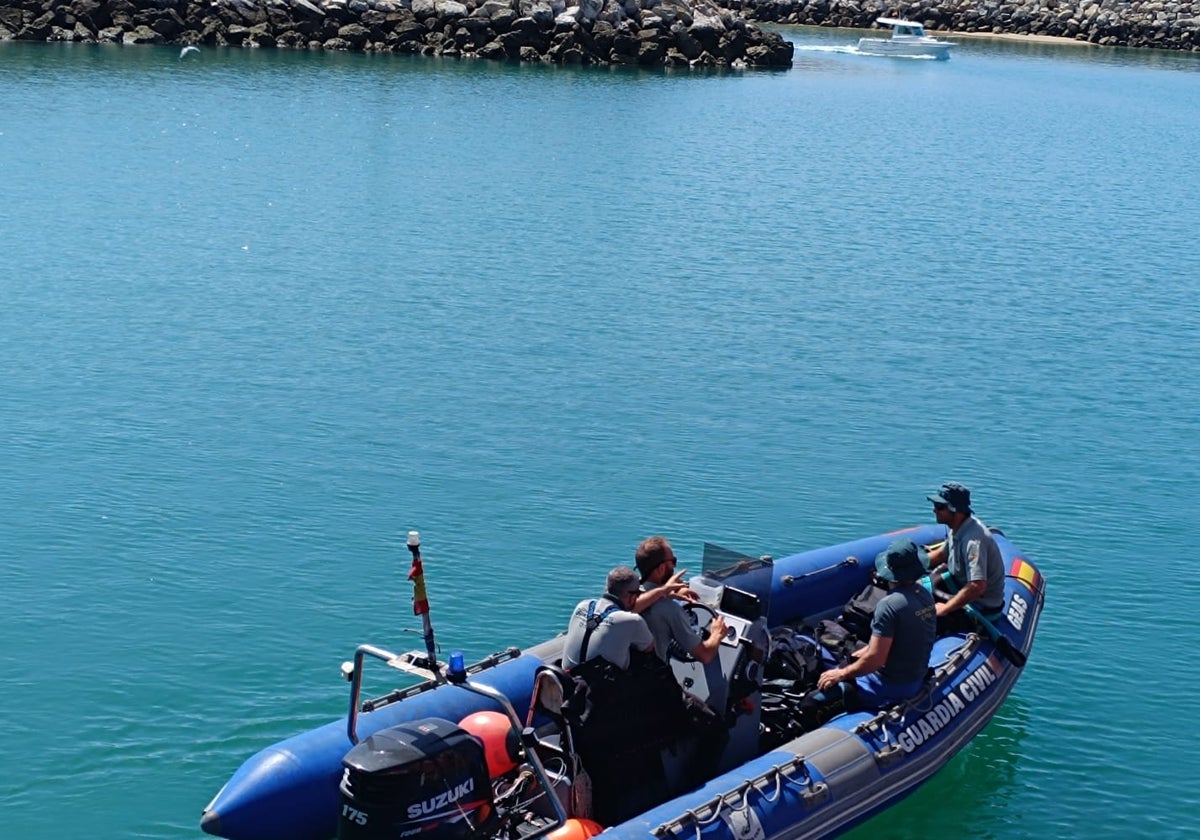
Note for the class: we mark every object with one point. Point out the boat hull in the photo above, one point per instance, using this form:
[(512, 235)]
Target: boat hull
[(816, 786), (289, 791), (914, 48)]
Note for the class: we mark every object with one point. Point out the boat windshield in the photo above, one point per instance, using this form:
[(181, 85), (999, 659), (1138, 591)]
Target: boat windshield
[(747, 580)]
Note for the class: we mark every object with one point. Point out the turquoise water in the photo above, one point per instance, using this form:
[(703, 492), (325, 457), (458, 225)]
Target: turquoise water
[(265, 311)]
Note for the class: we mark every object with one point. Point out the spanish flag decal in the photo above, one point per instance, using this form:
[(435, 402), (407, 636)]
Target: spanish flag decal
[(1027, 574)]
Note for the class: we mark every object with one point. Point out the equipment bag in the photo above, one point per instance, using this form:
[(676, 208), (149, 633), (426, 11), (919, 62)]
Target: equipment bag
[(859, 610), (794, 656), (837, 644)]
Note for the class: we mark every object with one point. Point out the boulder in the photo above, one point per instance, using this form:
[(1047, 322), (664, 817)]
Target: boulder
[(651, 52), (407, 31), (450, 10), (354, 34), (503, 20), (142, 35), (707, 30), (686, 42), (38, 29), (12, 19), (631, 32), (493, 50), (478, 31), (541, 13)]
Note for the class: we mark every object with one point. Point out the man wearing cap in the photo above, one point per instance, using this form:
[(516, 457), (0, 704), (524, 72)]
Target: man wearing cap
[(607, 627), (656, 562), (893, 665), (974, 567)]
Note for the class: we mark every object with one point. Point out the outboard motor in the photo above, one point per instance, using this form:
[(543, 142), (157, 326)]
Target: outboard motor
[(426, 777)]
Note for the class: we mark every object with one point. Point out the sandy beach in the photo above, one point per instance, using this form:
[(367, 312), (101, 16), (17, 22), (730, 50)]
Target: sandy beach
[(1009, 36)]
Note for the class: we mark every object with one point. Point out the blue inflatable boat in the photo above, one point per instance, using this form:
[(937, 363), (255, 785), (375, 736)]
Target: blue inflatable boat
[(496, 749)]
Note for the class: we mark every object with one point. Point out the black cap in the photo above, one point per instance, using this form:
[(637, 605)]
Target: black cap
[(954, 496)]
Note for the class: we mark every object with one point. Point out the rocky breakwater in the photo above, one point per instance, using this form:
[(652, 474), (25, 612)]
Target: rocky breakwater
[(647, 33), (1140, 23)]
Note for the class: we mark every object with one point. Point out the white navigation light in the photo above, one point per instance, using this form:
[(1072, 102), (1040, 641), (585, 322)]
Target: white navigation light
[(414, 538)]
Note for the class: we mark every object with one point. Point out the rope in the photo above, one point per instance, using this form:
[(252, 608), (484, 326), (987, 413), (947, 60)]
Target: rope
[(778, 788), (726, 801)]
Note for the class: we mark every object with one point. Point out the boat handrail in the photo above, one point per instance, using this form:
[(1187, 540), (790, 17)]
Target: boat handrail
[(876, 728), (813, 793), (877, 725), (528, 739), (790, 580), (353, 673), (459, 678)]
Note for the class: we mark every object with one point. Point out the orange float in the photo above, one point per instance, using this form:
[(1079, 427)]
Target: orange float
[(501, 745)]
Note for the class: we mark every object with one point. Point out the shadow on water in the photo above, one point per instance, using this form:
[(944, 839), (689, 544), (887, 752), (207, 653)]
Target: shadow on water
[(980, 786), (37, 61)]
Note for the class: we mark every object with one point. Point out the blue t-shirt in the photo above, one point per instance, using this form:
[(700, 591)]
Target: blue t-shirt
[(907, 617)]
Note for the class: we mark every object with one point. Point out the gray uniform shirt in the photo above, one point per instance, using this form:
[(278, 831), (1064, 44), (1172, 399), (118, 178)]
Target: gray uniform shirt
[(906, 616), (972, 554), (669, 622), (619, 632)]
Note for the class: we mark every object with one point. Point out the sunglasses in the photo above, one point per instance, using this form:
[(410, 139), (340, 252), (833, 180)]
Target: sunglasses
[(940, 506)]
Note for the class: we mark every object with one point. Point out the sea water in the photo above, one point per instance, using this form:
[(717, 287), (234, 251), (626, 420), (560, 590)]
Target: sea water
[(265, 311)]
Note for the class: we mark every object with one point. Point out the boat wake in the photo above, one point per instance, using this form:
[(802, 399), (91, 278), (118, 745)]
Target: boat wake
[(824, 48), (851, 49), (857, 51)]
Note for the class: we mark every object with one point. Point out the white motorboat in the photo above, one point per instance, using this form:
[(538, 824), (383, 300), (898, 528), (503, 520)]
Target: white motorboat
[(908, 40)]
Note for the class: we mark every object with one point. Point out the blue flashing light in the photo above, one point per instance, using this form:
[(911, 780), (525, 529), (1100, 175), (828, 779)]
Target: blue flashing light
[(457, 671)]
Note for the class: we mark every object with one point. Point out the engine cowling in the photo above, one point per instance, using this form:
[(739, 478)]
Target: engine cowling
[(426, 777)]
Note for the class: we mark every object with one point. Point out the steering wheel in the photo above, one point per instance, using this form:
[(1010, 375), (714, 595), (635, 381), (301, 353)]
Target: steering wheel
[(694, 611)]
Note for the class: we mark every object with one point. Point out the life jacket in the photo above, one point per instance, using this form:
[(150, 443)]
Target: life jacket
[(593, 621)]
